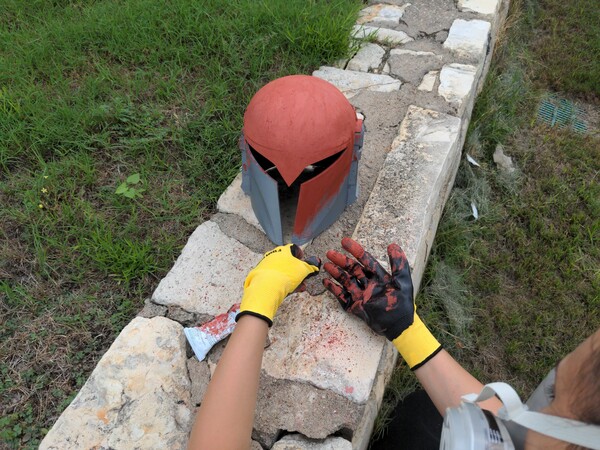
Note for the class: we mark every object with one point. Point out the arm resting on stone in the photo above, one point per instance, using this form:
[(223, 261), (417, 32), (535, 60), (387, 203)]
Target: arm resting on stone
[(226, 415)]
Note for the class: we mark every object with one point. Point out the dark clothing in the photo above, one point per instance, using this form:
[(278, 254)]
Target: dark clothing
[(416, 425)]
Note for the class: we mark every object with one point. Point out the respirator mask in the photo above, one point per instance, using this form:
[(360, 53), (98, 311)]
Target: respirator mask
[(468, 427)]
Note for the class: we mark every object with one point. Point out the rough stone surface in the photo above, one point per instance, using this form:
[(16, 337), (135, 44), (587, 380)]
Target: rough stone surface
[(299, 442), (469, 39), (382, 15), (441, 36), (410, 65), (410, 192), (430, 45), (186, 318), (199, 377), (308, 331), (302, 408), (151, 310), (424, 18), (457, 84), (369, 57), (362, 433), (234, 226), (235, 201), (350, 82), (208, 276), (428, 82), (382, 35), (255, 446), (479, 6), (138, 396)]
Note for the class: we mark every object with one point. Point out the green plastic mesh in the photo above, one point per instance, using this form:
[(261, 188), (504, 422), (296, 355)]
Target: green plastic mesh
[(562, 113)]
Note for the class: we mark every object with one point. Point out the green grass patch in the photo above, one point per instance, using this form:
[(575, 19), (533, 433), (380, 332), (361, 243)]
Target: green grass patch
[(92, 93), (567, 47)]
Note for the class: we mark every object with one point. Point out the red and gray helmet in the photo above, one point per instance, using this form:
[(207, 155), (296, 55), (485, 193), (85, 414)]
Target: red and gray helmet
[(300, 147)]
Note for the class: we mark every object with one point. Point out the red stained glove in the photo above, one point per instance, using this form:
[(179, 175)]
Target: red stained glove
[(385, 302)]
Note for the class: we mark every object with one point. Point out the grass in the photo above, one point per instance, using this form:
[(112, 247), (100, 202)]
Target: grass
[(92, 93), (512, 293)]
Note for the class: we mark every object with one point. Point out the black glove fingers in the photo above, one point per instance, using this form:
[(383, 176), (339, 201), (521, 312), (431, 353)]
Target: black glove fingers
[(351, 266), (342, 295), (370, 264), (344, 279), (373, 266), (399, 266)]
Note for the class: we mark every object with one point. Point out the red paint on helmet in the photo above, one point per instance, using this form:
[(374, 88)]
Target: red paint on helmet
[(318, 191), (298, 120)]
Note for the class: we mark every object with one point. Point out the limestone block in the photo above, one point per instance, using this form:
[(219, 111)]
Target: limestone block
[(401, 51), (362, 433), (299, 442), (186, 318), (469, 39), (199, 377), (409, 195), (428, 81), (381, 35), (301, 408), (350, 82), (138, 396), (314, 341), (382, 15), (427, 17), (411, 66), (457, 83), (369, 57), (479, 6), (235, 201), (208, 276), (151, 310)]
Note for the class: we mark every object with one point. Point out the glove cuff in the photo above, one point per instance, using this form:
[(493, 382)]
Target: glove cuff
[(252, 313), (416, 344)]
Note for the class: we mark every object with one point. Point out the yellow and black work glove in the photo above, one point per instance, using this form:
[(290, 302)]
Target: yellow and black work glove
[(281, 272), (385, 302)]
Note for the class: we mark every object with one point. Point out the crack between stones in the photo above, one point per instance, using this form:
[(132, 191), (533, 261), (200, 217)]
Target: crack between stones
[(319, 388)]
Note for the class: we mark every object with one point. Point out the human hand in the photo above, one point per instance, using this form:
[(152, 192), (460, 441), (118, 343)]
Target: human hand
[(281, 272), (367, 290), (383, 300)]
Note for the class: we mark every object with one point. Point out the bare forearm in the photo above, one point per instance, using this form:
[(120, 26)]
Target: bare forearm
[(226, 415), (446, 381)]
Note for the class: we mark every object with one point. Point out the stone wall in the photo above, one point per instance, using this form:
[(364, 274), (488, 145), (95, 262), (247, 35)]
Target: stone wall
[(414, 79)]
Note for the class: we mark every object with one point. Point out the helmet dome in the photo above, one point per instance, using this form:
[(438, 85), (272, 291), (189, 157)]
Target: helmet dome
[(298, 120)]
